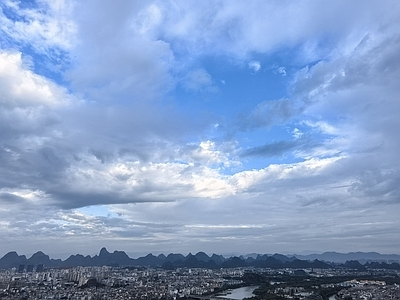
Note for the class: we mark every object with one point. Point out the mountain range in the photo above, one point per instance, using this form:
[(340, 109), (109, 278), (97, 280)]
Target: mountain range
[(354, 260), (362, 257)]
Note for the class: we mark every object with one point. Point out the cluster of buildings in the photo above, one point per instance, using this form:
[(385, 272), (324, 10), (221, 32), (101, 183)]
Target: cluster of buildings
[(106, 282), (351, 290), (369, 290), (114, 283)]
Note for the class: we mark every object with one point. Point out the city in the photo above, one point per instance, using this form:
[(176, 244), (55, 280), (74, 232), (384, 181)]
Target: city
[(105, 282), (234, 149)]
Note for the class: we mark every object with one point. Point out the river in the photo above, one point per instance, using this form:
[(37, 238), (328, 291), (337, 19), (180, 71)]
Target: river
[(239, 293)]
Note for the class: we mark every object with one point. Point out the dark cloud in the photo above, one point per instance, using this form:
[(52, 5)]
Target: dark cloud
[(269, 113), (7, 198), (67, 198), (280, 148), (381, 185)]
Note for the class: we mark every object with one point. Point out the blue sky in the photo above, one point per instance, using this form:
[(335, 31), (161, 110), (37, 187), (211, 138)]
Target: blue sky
[(182, 126)]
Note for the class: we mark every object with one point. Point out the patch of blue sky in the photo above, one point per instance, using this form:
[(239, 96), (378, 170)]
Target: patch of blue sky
[(12, 10), (250, 81), (9, 12), (7, 43), (280, 144), (98, 211), (235, 88), (261, 138), (52, 64), (27, 4), (239, 88)]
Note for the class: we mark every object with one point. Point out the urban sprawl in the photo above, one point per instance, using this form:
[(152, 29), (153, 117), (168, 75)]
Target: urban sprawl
[(27, 282)]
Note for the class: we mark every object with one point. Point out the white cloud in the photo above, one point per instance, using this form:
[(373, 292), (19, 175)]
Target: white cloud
[(128, 145), (90, 180), (44, 27), (242, 28), (281, 70), (297, 133), (21, 87), (269, 113), (207, 153), (124, 60), (199, 80), (255, 66), (323, 127), (138, 181)]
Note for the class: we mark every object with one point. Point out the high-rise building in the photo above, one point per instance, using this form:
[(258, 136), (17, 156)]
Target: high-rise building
[(29, 269), (21, 268), (39, 268)]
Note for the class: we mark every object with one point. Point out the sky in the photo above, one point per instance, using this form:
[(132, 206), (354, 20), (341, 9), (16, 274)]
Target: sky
[(183, 126)]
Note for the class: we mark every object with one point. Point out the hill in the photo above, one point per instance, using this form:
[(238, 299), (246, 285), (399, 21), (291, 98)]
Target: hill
[(354, 260)]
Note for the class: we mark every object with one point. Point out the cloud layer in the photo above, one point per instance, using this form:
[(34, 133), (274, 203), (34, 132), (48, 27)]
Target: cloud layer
[(152, 126)]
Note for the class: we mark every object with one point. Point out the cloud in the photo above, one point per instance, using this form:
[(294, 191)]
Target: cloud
[(44, 25), (123, 61), (23, 88), (359, 90), (199, 81), (30, 108), (239, 29), (370, 57), (296, 133), (280, 148), (381, 185), (281, 70), (269, 113), (112, 130), (89, 180), (255, 66)]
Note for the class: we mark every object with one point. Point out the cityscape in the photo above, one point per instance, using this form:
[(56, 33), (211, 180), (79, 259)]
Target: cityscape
[(199, 150), (252, 277)]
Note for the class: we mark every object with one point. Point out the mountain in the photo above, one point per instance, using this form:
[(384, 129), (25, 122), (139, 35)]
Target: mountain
[(201, 256), (77, 260), (305, 264), (382, 265), (361, 261), (12, 260), (162, 257), (174, 257), (262, 257), (148, 260), (39, 258), (234, 262), (219, 259), (191, 261), (354, 264), (284, 258), (362, 257), (117, 258), (264, 261)]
